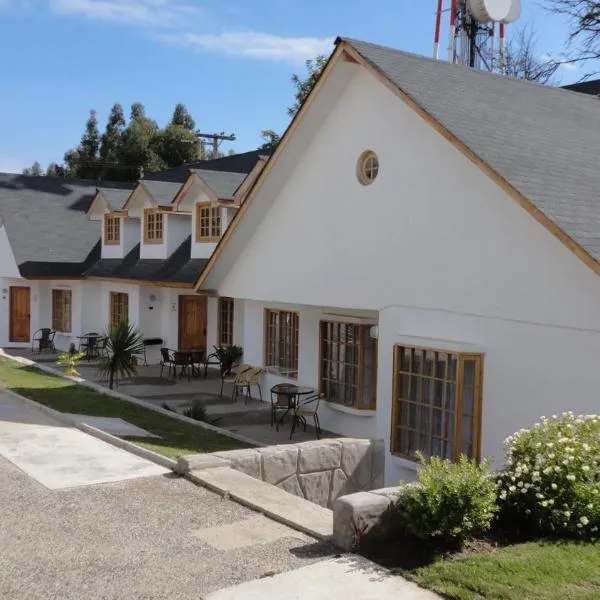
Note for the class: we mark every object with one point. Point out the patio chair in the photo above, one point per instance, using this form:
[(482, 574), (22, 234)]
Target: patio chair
[(252, 377), (166, 360), (211, 360), (307, 408), (103, 347), (233, 379), (45, 339), (279, 403), (183, 360), (197, 360)]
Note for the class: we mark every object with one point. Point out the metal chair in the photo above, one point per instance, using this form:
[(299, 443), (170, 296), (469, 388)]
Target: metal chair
[(232, 378), (45, 339), (212, 360), (252, 377), (279, 403), (182, 359), (309, 407), (166, 359), (197, 361), (103, 347)]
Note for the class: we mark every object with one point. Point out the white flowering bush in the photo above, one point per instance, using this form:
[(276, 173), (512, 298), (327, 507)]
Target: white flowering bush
[(551, 482), (450, 501)]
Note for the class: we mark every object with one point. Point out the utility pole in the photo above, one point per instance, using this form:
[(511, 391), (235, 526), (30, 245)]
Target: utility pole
[(215, 140)]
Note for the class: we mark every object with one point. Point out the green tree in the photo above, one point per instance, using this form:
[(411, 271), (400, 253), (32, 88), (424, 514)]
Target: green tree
[(125, 343), (137, 152), (110, 145), (176, 145), (271, 139), (182, 117), (83, 161), (35, 170), (55, 170), (584, 27), (304, 85)]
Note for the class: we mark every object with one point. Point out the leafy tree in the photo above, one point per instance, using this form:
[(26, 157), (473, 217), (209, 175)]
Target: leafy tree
[(521, 59), (305, 85), (176, 145), (584, 21), (182, 117), (35, 170), (137, 111), (83, 162), (110, 145), (271, 139), (55, 170)]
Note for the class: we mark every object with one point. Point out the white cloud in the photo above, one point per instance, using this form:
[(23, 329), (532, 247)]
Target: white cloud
[(254, 44), (154, 13), (9, 164)]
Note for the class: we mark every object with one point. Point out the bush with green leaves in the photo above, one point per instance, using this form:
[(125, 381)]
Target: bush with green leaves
[(551, 482), (450, 501)]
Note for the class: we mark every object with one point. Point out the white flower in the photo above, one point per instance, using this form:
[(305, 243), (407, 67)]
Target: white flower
[(584, 520), (567, 514), (539, 496), (512, 488), (585, 468), (544, 503), (557, 469), (553, 486), (571, 477)]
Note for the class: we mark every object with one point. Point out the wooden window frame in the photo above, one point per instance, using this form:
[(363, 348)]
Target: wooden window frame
[(457, 417), (112, 230), (226, 316), (330, 354), (118, 307), (208, 226), (279, 359), (154, 226), (367, 167), (62, 307)]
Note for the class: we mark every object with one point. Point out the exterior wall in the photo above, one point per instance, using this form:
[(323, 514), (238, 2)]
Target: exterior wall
[(177, 229), (441, 252), (130, 234), (112, 250), (352, 423)]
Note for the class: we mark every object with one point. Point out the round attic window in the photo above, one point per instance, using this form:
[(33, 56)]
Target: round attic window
[(367, 167)]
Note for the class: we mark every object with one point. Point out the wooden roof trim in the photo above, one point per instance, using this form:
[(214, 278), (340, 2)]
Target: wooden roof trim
[(242, 189), (515, 194), (337, 54), (194, 178), (167, 284)]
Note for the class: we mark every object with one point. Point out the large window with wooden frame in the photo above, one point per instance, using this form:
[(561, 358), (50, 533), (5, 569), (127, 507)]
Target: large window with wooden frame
[(61, 310), (225, 321), (208, 223), (436, 403), (348, 360), (119, 308), (281, 349), (153, 226), (112, 229)]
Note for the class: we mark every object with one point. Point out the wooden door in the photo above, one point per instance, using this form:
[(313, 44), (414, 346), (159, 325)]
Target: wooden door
[(19, 314), (192, 322)]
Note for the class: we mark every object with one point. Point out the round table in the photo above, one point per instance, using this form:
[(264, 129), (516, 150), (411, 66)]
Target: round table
[(292, 391)]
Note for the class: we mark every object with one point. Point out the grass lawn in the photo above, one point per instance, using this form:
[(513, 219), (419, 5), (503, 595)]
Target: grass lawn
[(527, 571), (177, 437)]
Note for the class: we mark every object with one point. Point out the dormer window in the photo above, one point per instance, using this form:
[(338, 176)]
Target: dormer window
[(208, 223), (112, 229), (153, 226)]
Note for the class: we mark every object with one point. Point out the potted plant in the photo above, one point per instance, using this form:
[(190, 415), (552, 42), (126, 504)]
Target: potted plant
[(70, 361), (228, 357), (124, 342)]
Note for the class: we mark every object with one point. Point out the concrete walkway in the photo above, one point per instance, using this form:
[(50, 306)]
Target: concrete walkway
[(62, 457)]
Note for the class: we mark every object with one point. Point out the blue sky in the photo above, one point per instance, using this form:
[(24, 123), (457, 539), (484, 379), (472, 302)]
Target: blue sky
[(229, 61)]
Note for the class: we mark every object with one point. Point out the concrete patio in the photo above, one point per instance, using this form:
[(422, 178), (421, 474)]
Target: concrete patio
[(251, 419)]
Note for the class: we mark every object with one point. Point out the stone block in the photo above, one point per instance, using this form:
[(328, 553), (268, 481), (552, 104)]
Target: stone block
[(292, 486), (391, 493), (278, 463), (338, 486), (377, 462), (355, 453), (247, 461), (199, 462), (319, 456), (316, 487), (363, 509)]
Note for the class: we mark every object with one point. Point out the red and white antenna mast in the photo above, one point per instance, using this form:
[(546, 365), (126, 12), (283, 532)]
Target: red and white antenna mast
[(472, 30)]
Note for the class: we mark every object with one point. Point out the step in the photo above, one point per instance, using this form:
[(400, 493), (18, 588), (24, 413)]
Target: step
[(272, 501)]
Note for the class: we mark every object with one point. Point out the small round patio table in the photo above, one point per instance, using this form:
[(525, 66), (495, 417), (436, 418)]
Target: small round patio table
[(293, 392)]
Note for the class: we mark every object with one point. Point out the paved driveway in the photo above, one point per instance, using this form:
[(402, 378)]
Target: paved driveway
[(150, 537)]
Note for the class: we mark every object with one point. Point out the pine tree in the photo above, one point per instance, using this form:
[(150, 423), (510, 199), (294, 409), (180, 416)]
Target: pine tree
[(182, 117), (110, 146)]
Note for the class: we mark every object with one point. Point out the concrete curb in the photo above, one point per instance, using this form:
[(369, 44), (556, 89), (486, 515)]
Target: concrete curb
[(154, 457), (103, 390)]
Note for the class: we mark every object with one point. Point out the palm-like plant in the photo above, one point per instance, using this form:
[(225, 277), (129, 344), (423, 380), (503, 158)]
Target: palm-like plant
[(124, 343)]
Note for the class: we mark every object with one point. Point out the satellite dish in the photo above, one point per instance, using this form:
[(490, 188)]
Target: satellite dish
[(491, 10), (514, 13)]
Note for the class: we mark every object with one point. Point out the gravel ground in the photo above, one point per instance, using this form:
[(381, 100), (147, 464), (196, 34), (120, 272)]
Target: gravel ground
[(129, 540)]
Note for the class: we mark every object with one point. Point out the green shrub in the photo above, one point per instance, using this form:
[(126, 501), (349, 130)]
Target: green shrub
[(551, 482), (450, 501), (197, 411)]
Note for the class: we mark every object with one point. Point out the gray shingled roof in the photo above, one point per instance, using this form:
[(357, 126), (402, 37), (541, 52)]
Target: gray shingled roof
[(585, 87), (544, 141), (223, 183), (163, 192), (45, 219), (114, 197)]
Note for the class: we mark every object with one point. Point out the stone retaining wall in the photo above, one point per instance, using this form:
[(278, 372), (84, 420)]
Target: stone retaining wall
[(319, 471)]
